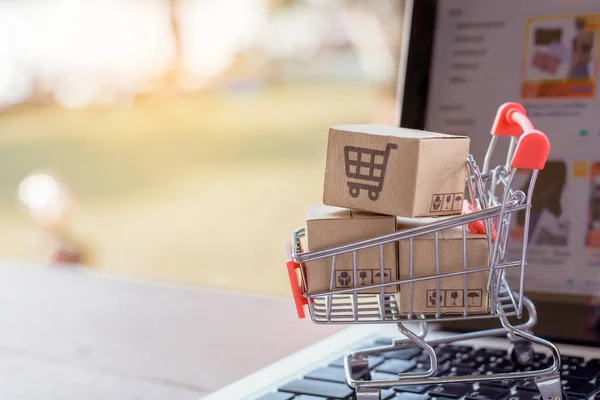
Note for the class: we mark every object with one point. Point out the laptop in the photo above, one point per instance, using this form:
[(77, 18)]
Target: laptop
[(460, 60)]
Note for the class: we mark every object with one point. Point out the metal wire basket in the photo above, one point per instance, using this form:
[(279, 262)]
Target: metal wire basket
[(493, 202)]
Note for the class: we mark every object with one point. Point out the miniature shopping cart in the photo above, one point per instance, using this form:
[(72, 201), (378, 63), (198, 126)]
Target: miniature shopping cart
[(493, 202), (365, 169)]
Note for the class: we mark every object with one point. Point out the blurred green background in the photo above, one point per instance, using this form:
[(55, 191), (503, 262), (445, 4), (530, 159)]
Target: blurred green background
[(180, 167)]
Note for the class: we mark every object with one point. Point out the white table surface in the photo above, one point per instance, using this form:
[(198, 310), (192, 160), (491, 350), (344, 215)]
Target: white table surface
[(70, 334)]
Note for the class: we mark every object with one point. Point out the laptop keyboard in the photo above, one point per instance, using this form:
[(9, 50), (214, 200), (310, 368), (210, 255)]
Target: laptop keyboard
[(580, 378)]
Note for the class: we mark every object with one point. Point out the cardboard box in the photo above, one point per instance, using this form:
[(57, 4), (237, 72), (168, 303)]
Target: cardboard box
[(327, 227), (452, 289), (395, 171)]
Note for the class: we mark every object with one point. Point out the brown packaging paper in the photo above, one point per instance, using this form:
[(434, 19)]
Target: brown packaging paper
[(395, 171), (452, 289), (328, 227)]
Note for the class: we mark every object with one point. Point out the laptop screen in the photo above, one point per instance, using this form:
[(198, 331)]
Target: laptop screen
[(545, 55)]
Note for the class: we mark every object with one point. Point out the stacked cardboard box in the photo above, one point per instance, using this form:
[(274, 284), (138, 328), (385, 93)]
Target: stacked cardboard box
[(333, 226), (373, 175), (455, 254)]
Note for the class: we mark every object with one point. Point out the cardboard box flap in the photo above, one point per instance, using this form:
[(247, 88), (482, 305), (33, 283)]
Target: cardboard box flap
[(320, 212), (317, 212), (385, 130), (358, 214), (328, 227)]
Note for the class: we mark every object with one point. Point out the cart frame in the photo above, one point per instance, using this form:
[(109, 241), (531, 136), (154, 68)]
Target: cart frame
[(495, 202)]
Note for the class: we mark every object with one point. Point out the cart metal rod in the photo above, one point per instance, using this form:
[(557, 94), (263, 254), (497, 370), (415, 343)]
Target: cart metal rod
[(488, 154), (454, 379), (320, 319), (534, 175), (351, 290), (528, 325), (518, 330), (405, 234)]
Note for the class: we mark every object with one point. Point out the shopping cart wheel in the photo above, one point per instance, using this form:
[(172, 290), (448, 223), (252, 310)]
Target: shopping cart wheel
[(373, 194), (354, 191), (521, 353)]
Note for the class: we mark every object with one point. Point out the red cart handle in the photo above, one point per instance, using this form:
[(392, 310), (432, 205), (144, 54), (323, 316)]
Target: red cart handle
[(532, 151), (477, 227), (292, 266), (533, 146), (511, 120)]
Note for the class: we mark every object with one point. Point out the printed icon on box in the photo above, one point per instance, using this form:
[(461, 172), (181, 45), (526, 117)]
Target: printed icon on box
[(343, 278), (433, 298), (474, 296), (448, 202), (365, 169), (377, 275), (436, 204), (458, 202), (455, 298), (365, 277)]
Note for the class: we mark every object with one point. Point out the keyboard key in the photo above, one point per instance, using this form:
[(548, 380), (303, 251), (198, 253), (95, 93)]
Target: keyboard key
[(403, 354), (318, 388), (465, 363), (460, 349), (276, 396), (383, 376), (458, 371), (489, 353), (373, 362), (452, 390), (502, 365), (571, 360), (487, 393), (505, 383), (483, 360), (411, 396), (387, 394), (535, 366), (578, 388), (424, 358), (578, 372), (525, 395), (394, 366), (418, 389), (527, 384), (594, 363), (441, 369), (330, 374)]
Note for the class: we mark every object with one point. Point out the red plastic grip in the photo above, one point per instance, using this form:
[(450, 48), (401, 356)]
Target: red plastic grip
[(511, 120), (299, 299), (477, 227), (532, 151)]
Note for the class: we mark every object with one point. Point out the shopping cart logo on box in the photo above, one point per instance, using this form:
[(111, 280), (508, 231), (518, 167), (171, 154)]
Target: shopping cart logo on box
[(366, 169)]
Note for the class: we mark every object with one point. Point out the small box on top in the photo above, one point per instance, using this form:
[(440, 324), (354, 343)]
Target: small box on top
[(395, 171), (328, 227), (454, 292)]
